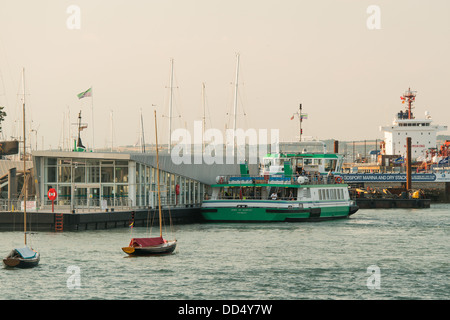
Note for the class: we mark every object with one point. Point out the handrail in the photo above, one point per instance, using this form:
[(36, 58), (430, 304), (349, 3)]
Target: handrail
[(313, 179), (88, 205)]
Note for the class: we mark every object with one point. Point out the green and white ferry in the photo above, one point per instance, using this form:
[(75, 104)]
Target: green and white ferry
[(290, 187)]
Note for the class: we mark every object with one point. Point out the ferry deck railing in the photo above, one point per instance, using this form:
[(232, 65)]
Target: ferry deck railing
[(310, 179)]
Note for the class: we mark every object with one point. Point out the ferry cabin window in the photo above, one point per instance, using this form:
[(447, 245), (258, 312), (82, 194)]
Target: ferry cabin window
[(230, 193), (304, 193), (330, 165), (331, 194), (338, 166)]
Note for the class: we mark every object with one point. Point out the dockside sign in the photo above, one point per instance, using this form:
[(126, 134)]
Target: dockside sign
[(386, 177)]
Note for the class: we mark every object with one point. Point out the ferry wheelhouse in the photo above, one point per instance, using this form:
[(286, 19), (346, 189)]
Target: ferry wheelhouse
[(304, 186)]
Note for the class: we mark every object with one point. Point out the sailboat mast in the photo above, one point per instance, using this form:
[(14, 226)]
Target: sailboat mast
[(300, 119), (112, 135), (236, 92), (24, 163), (69, 140), (157, 173), (204, 116), (92, 110), (142, 134), (169, 145)]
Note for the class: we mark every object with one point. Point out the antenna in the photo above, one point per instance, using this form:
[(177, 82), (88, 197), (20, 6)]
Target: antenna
[(409, 97)]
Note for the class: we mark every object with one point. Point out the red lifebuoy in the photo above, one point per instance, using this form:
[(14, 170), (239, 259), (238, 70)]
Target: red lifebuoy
[(338, 179)]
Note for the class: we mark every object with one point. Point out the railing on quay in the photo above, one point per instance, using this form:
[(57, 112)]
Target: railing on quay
[(87, 205)]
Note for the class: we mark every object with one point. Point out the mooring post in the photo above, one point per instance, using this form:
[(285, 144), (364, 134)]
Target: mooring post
[(408, 163)]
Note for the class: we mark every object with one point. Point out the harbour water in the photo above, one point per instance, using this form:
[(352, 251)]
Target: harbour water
[(375, 254)]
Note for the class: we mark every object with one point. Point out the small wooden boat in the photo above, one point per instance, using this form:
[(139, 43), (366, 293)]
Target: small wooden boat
[(155, 245), (150, 246), (22, 258)]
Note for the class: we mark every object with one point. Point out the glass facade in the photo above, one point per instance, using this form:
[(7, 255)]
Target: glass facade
[(108, 183)]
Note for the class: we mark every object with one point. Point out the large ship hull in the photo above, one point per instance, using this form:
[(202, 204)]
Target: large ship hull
[(267, 211)]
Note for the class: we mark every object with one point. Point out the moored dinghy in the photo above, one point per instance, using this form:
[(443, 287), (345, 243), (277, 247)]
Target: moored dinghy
[(150, 246), (22, 258)]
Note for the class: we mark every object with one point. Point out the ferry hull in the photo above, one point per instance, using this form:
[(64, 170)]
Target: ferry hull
[(264, 214)]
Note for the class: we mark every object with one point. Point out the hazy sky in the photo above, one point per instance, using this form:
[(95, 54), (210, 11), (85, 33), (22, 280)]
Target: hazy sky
[(320, 53)]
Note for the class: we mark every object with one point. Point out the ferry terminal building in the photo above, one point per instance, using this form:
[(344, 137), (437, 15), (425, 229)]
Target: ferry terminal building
[(92, 180)]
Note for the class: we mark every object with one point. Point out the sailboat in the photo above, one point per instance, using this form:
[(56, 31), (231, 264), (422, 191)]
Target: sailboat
[(155, 245), (25, 257)]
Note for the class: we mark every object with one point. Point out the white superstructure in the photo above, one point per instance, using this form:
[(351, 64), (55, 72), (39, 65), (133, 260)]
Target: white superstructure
[(422, 132)]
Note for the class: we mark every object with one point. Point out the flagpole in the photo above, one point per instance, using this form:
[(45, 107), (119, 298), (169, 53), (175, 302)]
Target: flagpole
[(300, 117)]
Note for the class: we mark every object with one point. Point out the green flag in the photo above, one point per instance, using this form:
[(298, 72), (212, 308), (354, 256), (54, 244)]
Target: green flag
[(87, 93)]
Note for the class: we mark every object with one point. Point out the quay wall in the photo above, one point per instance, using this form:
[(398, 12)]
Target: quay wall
[(436, 191), (46, 221)]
